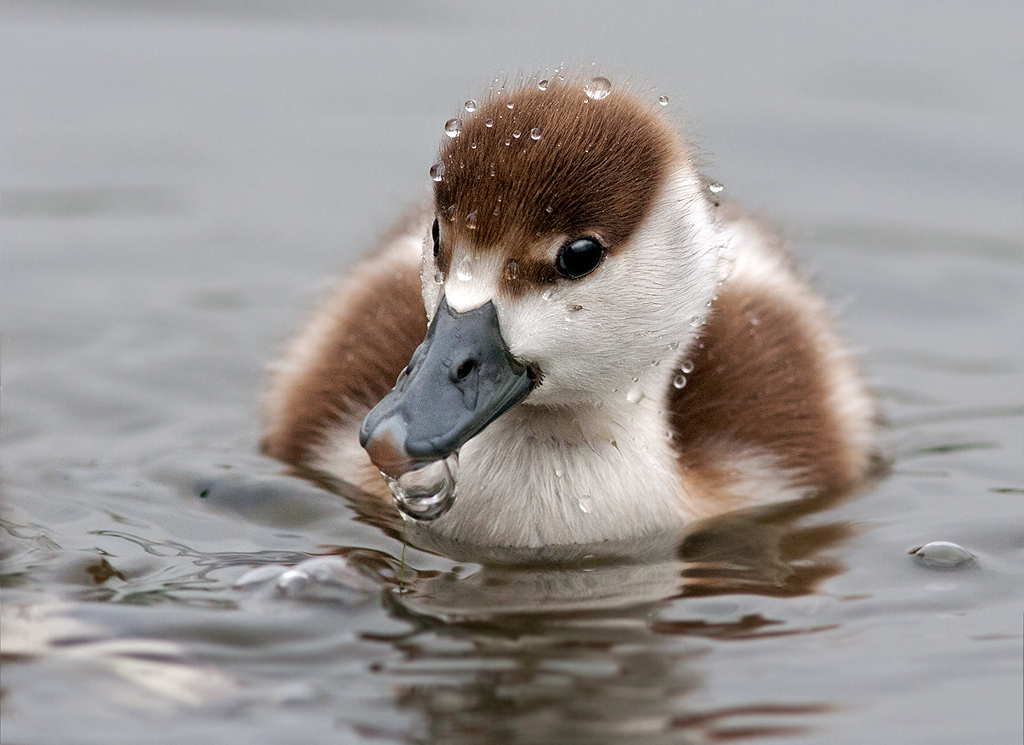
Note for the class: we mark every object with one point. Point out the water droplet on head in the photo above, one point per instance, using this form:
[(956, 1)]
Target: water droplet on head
[(517, 134), (492, 169), (547, 294), (439, 277), (679, 381), (428, 492), (715, 188), (663, 100), (471, 105), (535, 133), (489, 123), (453, 128), (586, 504), (471, 220), (635, 395), (510, 105), (464, 271), (598, 88), (543, 84), (437, 171), (472, 145), (549, 210), (512, 269), (508, 141), (686, 367)]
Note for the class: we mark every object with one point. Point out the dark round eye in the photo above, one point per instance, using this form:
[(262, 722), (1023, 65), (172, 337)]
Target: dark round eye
[(435, 233), (579, 258)]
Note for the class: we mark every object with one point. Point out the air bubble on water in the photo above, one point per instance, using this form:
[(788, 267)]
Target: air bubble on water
[(535, 133), (543, 84), (598, 88), (293, 582), (943, 555), (634, 395), (663, 100), (437, 171), (686, 367), (489, 123), (512, 269), (465, 269), (453, 128), (428, 492), (586, 504), (471, 220), (715, 188), (517, 134), (471, 105), (679, 381)]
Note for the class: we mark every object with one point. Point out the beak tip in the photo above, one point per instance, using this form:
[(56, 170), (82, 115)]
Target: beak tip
[(385, 444)]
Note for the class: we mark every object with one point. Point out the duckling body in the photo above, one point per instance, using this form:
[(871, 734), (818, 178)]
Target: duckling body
[(663, 360)]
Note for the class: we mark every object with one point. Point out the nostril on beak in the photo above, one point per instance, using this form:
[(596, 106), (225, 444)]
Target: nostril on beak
[(464, 370)]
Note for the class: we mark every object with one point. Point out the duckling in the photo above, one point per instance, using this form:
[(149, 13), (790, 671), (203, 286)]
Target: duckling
[(609, 348)]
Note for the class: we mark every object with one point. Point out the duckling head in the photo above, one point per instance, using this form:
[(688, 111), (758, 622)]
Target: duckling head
[(573, 250)]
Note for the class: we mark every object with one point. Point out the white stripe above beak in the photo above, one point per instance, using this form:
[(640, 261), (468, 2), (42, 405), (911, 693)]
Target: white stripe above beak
[(472, 278)]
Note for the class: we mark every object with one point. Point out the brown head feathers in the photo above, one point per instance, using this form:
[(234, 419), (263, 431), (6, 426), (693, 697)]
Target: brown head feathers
[(559, 163)]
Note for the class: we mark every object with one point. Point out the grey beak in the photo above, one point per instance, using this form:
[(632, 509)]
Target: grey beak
[(459, 380)]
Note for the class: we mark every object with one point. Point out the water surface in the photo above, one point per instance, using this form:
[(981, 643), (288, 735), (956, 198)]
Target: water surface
[(175, 185)]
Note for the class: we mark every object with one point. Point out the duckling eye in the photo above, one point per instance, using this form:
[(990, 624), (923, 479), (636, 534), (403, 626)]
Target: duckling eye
[(579, 258), (435, 233)]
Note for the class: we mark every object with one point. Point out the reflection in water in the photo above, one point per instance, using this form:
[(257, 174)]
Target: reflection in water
[(565, 644)]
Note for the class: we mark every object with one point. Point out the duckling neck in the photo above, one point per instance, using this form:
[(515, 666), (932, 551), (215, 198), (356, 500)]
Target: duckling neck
[(544, 474)]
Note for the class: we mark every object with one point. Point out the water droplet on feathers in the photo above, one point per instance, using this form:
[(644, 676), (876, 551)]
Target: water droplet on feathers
[(598, 88)]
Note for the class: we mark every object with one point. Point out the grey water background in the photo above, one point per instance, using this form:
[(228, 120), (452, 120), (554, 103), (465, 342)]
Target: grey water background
[(180, 181)]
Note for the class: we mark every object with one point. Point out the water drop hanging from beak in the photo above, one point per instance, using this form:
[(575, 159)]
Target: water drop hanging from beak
[(428, 492)]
